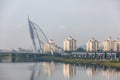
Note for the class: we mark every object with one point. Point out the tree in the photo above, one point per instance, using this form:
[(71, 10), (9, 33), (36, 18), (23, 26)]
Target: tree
[(81, 50)]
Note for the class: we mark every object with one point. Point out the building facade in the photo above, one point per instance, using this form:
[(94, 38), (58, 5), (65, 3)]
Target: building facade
[(51, 46), (116, 45), (108, 44), (92, 45), (69, 44)]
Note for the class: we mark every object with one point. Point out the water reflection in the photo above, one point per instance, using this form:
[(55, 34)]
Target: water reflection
[(42, 70), (35, 72), (48, 68), (90, 72), (111, 74), (69, 71), (106, 73), (6, 59), (56, 71)]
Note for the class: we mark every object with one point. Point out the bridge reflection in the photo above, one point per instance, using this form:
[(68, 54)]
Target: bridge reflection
[(57, 71), (48, 71)]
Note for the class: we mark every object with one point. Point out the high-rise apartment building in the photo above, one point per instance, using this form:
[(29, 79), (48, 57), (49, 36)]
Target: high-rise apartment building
[(108, 44), (69, 44), (92, 45), (116, 45)]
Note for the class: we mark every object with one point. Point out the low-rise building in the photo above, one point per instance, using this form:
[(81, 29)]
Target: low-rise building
[(51, 47), (48, 47)]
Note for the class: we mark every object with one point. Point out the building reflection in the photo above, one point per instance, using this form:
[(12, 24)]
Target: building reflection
[(90, 72), (48, 68), (69, 71), (106, 72), (110, 74), (48, 71), (6, 59), (42, 71)]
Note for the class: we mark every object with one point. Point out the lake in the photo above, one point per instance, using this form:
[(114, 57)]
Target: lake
[(56, 71)]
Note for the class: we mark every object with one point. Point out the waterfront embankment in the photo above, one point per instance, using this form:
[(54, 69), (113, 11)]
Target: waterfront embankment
[(109, 63), (58, 58)]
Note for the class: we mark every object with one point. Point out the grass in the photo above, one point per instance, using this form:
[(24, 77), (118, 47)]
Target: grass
[(81, 61), (69, 60)]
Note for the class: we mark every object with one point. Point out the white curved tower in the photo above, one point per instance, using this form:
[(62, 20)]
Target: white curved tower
[(38, 37)]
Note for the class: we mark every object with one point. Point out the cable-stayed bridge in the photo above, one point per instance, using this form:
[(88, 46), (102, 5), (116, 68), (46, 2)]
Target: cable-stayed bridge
[(39, 40), (38, 37)]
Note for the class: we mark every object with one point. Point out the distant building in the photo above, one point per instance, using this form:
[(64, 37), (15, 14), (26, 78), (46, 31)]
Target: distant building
[(108, 44), (21, 50), (51, 46), (92, 45), (69, 44), (116, 45)]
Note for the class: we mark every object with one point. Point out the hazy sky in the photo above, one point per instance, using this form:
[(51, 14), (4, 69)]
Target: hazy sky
[(81, 19)]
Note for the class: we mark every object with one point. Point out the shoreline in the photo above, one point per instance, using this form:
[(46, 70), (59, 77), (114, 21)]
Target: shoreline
[(61, 59), (107, 63)]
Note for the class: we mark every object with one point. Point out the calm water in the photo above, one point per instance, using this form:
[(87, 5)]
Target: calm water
[(56, 71)]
